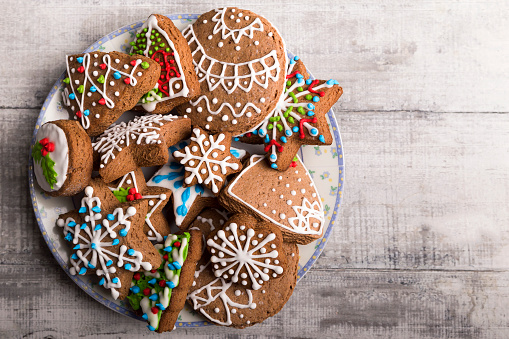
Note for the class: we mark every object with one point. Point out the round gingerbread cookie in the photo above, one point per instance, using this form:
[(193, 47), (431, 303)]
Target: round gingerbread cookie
[(240, 60), (228, 304), (62, 156), (247, 252)]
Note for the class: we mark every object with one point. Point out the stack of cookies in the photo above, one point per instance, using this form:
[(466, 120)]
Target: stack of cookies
[(230, 246)]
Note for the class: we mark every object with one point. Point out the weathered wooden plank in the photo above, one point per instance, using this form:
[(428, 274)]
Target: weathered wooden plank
[(402, 55), (41, 301), (423, 191)]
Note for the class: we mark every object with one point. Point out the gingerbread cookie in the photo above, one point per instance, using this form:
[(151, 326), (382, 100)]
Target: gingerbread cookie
[(209, 220), (160, 294), (288, 199), (208, 160), (141, 142), (240, 59), (107, 239), (131, 187), (161, 41), (247, 252), (101, 86), (228, 304), (62, 158), (299, 118)]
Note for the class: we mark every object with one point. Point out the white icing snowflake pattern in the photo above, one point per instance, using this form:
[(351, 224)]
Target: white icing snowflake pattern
[(91, 250), (304, 213), (232, 253), (208, 151), (217, 289), (141, 129)]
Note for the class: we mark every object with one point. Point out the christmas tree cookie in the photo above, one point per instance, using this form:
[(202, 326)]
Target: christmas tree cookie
[(62, 157), (107, 239), (299, 118), (208, 160), (160, 294), (161, 41), (287, 199), (141, 142), (132, 187), (101, 86)]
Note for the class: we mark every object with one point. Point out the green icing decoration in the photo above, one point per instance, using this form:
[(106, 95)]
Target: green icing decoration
[(121, 194), (47, 164), (145, 65), (66, 81), (80, 89), (135, 298), (101, 79)]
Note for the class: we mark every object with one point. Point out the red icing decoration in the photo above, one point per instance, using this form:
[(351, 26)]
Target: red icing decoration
[(81, 69), (310, 88), (271, 143), (127, 81), (176, 244), (293, 164), (292, 75), (162, 283), (146, 291), (102, 101), (47, 146), (165, 257), (102, 66), (155, 310), (167, 70), (79, 114), (137, 276), (132, 190), (152, 271), (301, 123), (133, 195), (133, 62)]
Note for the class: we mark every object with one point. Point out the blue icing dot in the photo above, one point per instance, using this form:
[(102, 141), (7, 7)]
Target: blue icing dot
[(296, 58), (152, 281), (273, 157), (74, 256), (110, 217), (161, 307), (109, 263), (182, 210), (235, 153), (91, 266), (170, 284), (150, 327), (144, 316), (314, 131), (332, 82), (283, 139), (102, 281), (299, 76), (83, 270), (71, 224), (82, 209), (261, 132), (309, 81), (311, 106), (93, 245), (311, 113), (130, 251), (72, 96), (154, 297), (93, 89), (267, 139), (77, 247), (168, 249), (321, 138), (135, 289), (127, 266), (236, 139), (122, 233), (177, 265), (114, 280), (83, 226), (116, 75), (295, 129), (68, 237), (115, 242), (274, 166), (79, 59), (300, 81), (288, 132), (255, 132), (316, 98), (86, 112), (186, 194), (97, 227)]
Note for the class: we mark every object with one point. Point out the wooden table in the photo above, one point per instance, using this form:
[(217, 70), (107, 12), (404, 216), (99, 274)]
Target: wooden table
[(421, 247)]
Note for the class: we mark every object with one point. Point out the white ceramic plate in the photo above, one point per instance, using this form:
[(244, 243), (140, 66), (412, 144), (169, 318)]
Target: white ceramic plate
[(325, 165)]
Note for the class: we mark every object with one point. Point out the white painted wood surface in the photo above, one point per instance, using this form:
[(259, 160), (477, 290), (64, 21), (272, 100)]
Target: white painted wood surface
[(421, 246)]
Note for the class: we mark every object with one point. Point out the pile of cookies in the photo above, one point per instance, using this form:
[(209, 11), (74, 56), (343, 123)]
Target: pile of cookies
[(230, 246)]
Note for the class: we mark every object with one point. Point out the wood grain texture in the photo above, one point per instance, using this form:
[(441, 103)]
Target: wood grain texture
[(420, 247)]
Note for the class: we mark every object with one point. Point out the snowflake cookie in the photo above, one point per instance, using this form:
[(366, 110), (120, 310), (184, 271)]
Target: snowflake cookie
[(299, 117), (160, 40), (225, 303), (107, 239), (132, 187), (208, 160), (159, 295), (246, 252), (100, 86), (287, 199), (141, 142)]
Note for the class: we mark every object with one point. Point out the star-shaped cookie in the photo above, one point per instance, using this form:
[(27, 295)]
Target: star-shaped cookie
[(107, 239), (208, 160), (132, 187), (141, 142), (299, 118)]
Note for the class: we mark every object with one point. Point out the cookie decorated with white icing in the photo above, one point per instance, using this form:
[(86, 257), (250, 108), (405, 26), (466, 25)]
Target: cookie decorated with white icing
[(141, 142), (287, 199), (107, 239), (101, 86), (208, 160), (228, 304), (247, 252), (62, 156), (159, 40), (240, 59)]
